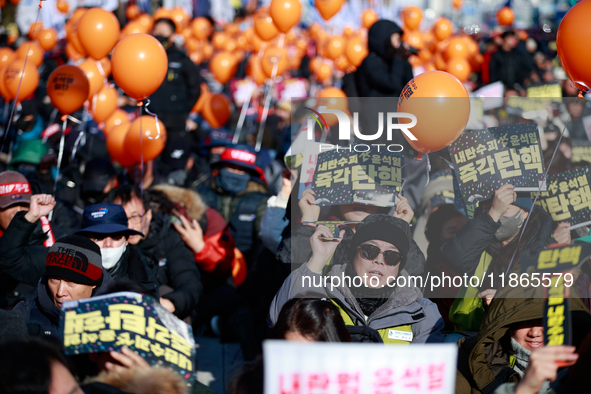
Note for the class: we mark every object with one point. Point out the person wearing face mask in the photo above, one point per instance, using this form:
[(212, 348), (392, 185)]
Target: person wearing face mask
[(240, 200), (28, 124), (180, 89), (487, 245), (106, 225)]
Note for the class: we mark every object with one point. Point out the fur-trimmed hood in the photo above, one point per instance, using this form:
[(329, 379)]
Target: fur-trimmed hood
[(188, 199), (143, 381)]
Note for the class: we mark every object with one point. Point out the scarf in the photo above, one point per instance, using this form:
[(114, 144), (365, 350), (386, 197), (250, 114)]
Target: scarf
[(521, 355), (368, 299)]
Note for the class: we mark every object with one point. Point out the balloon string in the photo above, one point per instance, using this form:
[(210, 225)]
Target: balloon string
[(540, 187), (428, 169), (101, 70), (60, 153), (157, 122), (269, 95), (140, 105), (37, 27)]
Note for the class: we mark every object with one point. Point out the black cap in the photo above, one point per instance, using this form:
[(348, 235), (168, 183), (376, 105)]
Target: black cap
[(107, 219), (384, 228), (97, 174), (176, 154)]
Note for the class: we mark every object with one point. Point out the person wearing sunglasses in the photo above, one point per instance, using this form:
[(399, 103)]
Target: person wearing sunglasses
[(369, 283)]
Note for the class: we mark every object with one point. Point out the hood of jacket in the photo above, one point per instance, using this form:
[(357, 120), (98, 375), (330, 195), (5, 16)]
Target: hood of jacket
[(158, 229), (190, 200), (483, 358), (402, 299), (143, 381), (379, 35)]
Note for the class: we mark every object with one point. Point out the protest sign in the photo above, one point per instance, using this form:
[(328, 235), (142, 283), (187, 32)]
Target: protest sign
[(241, 90), (557, 318), (322, 367), (581, 151), (109, 322), (568, 197), (553, 91), (345, 177), (334, 226), (485, 160), (291, 89), (555, 260), (490, 95)]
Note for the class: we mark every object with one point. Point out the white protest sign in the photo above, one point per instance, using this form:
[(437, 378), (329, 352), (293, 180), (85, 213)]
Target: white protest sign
[(331, 368), (491, 95)]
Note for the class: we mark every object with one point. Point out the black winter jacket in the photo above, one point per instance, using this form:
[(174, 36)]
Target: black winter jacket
[(22, 260), (468, 244), (176, 265), (42, 315), (381, 74), (180, 90), (510, 67)]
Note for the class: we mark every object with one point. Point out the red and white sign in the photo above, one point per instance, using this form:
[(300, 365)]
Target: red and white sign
[(15, 188), (331, 368)]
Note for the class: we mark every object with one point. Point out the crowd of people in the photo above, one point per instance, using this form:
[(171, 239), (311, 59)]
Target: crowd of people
[(224, 235)]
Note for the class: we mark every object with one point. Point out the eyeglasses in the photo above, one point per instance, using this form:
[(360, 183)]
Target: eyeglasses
[(370, 252), (136, 219)]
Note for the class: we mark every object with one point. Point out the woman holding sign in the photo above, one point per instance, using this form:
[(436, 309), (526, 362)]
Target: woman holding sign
[(377, 298)]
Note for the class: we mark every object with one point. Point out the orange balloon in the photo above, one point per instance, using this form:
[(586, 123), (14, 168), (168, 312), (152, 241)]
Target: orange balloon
[(274, 59), (104, 103), (230, 45), (442, 107), (430, 66), (347, 32), (77, 14), (219, 40), (4, 92), (201, 28), (207, 50), (7, 56), (457, 4), (32, 51), (457, 48), (428, 38), (139, 65), (74, 39), (145, 139), (412, 17), (505, 16), (116, 144), (34, 29), (63, 6), (573, 46), (72, 53), (118, 117), (314, 64), (332, 98), (192, 44), (335, 47), (95, 78), (106, 65), (368, 18), (203, 98), (439, 62), (98, 32), (28, 77), (241, 42), (216, 110), (180, 18), (132, 11), (285, 13), (442, 28), (414, 39), (47, 38), (414, 61), (329, 8), (255, 71), (132, 27), (323, 72), (471, 45), (67, 87), (146, 22), (341, 63), (476, 62), (459, 68), (356, 51), (196, 57), (263, 24), (223, 66), (162, 13)]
